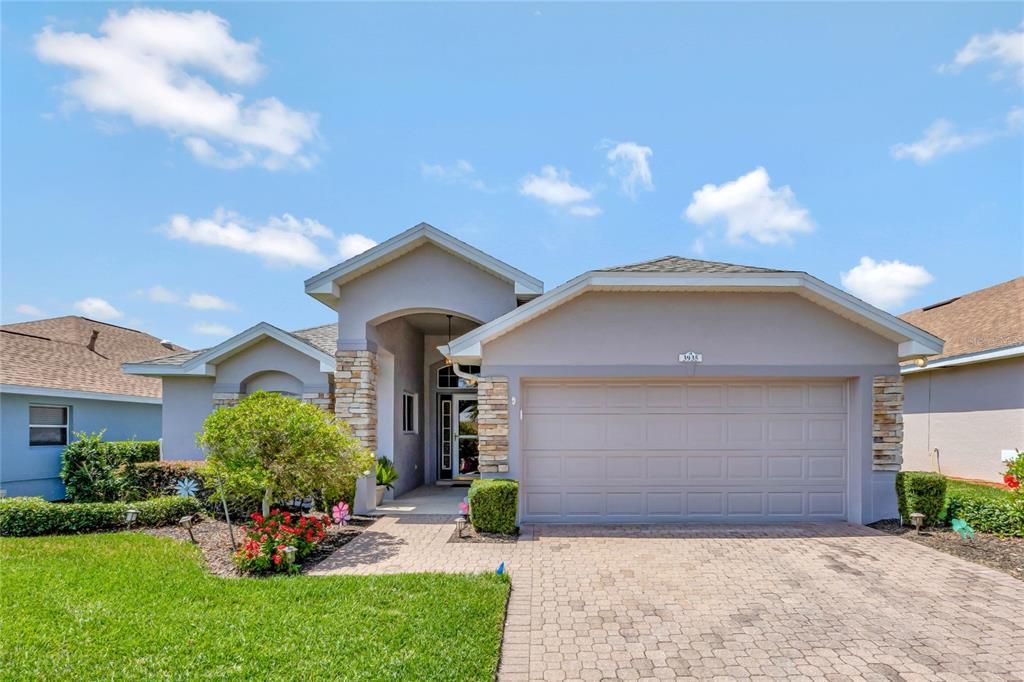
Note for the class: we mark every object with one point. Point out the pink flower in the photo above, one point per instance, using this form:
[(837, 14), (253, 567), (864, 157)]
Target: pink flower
[(341, 513)]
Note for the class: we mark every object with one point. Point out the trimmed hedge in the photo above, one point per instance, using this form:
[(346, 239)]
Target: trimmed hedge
[(493, 503), (921, 491), (90, 466), (999, 517), (154, 479), (25, 516)]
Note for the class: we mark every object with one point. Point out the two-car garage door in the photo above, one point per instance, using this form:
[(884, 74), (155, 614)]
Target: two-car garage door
[(643, 451)]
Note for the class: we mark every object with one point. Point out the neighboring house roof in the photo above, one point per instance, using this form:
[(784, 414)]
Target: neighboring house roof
[(320, 343), (324, 286), (672, 273), (62, 356), (983, 325)]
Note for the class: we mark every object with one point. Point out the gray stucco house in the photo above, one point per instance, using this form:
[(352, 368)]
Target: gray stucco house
[(964, 412), (62, 375), (668, 390)]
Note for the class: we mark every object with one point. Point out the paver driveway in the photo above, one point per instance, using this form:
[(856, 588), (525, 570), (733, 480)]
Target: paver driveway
[(699, 602)]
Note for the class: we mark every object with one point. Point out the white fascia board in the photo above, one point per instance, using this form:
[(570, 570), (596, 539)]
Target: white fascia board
[(157, 370), (44, 392), (921, 343), (968, 359), (316, 285)]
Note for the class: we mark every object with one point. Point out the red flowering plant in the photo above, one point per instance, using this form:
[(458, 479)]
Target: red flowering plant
[(1014, 476), (269, 539)]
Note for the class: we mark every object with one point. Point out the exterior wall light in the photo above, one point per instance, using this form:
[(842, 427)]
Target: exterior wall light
[(921, 362), (130, 516)]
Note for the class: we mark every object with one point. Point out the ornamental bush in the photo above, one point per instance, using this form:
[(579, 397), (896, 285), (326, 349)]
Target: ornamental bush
[(283, 447), (25, 516), (155, 479), (90, 466), (921, 491), (268, 538), (493, 503), (988, 515)]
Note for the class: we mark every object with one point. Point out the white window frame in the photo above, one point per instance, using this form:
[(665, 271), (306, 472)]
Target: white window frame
[(66, 426), (414, 416)]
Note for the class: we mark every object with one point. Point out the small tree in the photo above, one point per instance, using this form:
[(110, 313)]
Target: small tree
[(283, 448)]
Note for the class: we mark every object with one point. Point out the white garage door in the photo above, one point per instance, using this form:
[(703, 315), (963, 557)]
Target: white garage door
[(735, 451)]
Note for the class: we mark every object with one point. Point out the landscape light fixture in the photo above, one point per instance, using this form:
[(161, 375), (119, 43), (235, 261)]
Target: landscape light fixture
[(289, 555), (917, 519), (130, 516), (186, 523)]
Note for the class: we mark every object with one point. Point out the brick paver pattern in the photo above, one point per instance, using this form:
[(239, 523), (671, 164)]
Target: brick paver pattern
[(810, 602)]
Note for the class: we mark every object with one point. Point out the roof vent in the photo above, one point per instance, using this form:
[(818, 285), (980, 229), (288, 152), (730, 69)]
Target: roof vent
[(167, 344), (933, 306), (92, 340)]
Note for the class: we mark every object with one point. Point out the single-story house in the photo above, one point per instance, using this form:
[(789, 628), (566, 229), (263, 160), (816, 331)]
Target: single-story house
[(62, 375), (669, 390), (964, 410)]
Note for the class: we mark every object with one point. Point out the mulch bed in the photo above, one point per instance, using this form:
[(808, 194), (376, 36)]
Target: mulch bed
[(1002, 554), (215, 543), (471, 535)]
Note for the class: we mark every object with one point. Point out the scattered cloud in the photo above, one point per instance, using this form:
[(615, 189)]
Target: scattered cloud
[(149, 65), (629, 162), (29, 310), (211, 329), (159, 294), (751, 209), (97, 309), (350, 245), (554, 187), (697, 247), (208, 302), (942, 137), (1003, 48), (461, 172), (279, 241), (886, 284)]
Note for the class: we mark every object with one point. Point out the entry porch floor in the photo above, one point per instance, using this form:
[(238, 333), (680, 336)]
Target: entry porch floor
[(432, 500)]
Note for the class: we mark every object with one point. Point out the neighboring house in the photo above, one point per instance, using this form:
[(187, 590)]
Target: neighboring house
[(63, 375), (964, 411), (669, 390)]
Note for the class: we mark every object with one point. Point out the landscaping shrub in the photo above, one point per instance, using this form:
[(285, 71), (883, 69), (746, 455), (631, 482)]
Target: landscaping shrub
[(155, 479), (921, 491), (999, 517), (268, 537), (90, 466), (23, 516), (492, 505)]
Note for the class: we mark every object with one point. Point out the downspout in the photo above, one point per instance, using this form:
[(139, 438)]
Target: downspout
[(471, 378)]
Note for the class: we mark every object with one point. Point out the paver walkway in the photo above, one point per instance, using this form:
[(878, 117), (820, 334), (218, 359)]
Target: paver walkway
[(724, 602)]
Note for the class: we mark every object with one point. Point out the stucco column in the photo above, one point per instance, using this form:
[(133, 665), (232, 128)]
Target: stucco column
[(355, 393), (492, 424), (887, 423)]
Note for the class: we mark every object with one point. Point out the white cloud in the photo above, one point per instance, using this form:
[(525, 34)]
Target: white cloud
[(751, 208), (30, 310), (697, 247), (554, 187), (1004, 48), (279, 241), (461, 172), (942, 137), (350, 245), (146, 65), (629, 163), (97, 309), (208, 302), (159, 294), (211, 329), (886, 284)]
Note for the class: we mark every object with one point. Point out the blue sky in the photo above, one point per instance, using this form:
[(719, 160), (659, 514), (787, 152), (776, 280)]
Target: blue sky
[(183, 168)]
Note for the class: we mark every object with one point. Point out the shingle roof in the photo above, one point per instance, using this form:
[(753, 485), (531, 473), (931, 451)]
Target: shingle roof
[(54, 353), (981, 320), (323, 338), (679, 264)]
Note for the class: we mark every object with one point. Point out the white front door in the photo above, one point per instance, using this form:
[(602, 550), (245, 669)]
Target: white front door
[(458, 441)]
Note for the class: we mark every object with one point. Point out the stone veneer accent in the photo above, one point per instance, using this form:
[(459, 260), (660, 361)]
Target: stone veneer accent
[(887, 423), (325, 401), (355, 393), (226, 399), (492, 424)]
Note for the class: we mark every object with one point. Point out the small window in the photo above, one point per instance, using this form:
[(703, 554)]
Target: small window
[(47, 425), (446, 377), (410, 405)]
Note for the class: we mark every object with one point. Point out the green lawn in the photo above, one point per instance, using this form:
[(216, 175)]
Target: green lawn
[(131, 606), (976, 490)]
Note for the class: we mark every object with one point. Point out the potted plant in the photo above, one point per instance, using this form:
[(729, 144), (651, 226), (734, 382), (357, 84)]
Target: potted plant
[(386, 476)]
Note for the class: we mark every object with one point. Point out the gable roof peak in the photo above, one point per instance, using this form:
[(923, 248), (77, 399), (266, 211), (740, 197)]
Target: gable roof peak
[(670, 264)]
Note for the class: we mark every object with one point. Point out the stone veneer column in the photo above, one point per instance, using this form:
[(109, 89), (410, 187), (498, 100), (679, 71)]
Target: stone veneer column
[(887, 423), (325, 401), (355, 393), (492, 424), (226, 399)]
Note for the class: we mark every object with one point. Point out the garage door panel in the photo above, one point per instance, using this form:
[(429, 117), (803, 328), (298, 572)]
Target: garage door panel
[(657, 451)]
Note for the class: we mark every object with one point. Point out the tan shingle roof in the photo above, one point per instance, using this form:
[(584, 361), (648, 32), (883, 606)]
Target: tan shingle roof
[(54, 353), (679, 264), (323, 338), (982, 320)]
